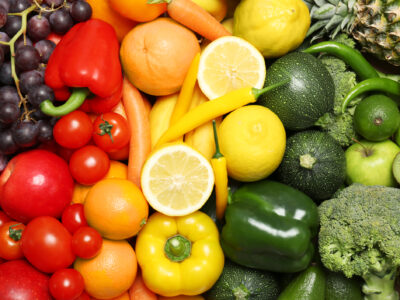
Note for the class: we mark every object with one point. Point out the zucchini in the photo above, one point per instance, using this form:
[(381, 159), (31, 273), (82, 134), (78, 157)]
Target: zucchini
[(313, 163), (309, 94)]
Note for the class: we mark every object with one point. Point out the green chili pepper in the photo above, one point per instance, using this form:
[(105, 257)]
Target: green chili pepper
[(351, 56), (372, 85)]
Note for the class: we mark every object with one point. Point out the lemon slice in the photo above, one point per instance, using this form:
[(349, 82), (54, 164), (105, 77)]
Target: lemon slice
[(229, 63), (177, 180)]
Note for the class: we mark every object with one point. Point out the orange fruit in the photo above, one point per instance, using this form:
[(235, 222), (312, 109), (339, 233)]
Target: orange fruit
[(111, 272), (101, 10), (117, 170), (124, 296), (138, 10), (156, 55), (116, 208)]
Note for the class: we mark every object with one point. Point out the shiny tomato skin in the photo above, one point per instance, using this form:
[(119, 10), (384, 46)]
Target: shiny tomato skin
[(20, 280), (66, 284), (10, 245), (111, 131), (73, 130), (73, 217), (4, 218), (89, 164), (46, 244), (86, 242)]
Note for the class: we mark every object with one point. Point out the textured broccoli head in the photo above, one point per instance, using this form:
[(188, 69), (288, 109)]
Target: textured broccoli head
[(360, 231)]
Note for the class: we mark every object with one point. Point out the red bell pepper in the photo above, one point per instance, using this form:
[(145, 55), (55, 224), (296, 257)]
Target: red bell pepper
[(85, 62)]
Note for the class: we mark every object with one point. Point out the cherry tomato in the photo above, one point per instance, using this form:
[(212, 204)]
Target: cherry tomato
[(10, 240), (86, 242), (111, 131), (46, 244), (89, 164), (83, 296), (4, 218), (73, 217), (73, 130), (66, 284)]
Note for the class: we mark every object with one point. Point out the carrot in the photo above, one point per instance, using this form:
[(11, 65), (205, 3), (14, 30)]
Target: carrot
[(139, 291), (193, 16), (138, 119)]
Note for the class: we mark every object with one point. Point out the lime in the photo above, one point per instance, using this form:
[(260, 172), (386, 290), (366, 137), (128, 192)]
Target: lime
[(396, 168), (376, 118)]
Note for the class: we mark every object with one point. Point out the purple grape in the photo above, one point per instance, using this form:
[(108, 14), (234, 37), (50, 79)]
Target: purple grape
[(45, 131), (1, 56), (3, 16), (37, 114), (40, 93), (20, 5), (61, 21), (45, 49), (80, 11), (5, 4), (38, 27), (21, 41), (9, 113), (30, 79), (4, 38), (7, 143), (9, 93), (54, 3), (5, 74), (3, 162), (25, 133), (27, 58), (12, 26)]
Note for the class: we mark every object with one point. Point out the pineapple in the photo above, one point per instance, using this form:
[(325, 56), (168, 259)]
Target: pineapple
[(373, 23)]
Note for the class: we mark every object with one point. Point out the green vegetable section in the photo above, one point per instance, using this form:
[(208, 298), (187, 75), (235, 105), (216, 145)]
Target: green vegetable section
[(269, 226)]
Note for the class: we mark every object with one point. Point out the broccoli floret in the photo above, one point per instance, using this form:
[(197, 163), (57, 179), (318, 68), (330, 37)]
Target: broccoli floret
[(360, 235), (340, 125)]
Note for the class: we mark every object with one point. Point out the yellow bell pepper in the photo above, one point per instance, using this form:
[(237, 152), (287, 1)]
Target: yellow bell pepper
[(179, 255)]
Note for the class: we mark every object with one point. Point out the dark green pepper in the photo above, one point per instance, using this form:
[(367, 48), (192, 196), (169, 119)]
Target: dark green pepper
[(269, 226)]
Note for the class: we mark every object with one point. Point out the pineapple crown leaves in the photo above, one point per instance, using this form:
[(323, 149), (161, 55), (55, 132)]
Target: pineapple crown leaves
[(330, 15)]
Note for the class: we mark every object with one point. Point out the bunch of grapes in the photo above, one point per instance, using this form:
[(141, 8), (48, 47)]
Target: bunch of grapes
[(27, 31)]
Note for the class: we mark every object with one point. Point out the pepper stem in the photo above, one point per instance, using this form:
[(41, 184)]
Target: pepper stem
[(15, 234), (177, 248), (76, 99), (218, 153), (258, 92)]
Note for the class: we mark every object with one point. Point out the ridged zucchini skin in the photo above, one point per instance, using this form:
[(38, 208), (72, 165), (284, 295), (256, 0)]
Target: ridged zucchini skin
[(313, 163), (308, 95)]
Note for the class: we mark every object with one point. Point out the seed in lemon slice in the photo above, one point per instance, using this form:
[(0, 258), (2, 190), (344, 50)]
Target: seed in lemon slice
[(177, 180), (229, 63)]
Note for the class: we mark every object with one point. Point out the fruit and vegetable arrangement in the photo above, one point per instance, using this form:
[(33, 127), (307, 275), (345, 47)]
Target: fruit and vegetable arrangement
[(199, 149)]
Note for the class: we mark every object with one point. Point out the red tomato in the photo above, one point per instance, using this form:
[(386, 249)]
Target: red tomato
[(86, 242), (4, 218), (89, 164), (66, 284), (73, 217), (111, 131), (73, 130), (83, 296), (46, 244), (10, 240)]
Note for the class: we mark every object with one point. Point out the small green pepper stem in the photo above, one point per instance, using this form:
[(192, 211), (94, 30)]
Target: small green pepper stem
[(372, 85), (351, 56), (177, 248), (76, 99), (218, 153), (258, 92)]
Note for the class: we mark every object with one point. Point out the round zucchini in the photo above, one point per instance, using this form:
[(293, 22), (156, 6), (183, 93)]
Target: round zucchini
[(313, 163), (309, 94)]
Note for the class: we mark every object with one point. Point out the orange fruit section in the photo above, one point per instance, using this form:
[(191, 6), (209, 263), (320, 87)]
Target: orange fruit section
[(156, 56)]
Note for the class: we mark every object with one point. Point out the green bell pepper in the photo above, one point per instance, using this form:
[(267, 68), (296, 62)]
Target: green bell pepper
[(269, 226)]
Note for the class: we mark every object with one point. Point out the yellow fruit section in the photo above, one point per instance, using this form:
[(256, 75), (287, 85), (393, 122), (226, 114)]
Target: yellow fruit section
[(111, 272), (216, 8), (274, 27), (253, 140)]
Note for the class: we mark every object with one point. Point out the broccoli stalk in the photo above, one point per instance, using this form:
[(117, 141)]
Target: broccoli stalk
[(360, 235)]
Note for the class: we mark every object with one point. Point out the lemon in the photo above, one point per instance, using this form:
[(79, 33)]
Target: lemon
[(229, 63), (253, 140), (177, 180), (217, 8), (274, 27)]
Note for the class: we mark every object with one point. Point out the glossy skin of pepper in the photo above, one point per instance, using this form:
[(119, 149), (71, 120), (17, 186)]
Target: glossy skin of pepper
[(86, 57), (198, 269), (270, 230)]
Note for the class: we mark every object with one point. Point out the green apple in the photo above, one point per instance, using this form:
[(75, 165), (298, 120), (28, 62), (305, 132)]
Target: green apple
[(370, 163)]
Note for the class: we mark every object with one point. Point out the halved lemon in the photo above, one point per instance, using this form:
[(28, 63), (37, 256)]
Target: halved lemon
[(177, 180), (229, 63)]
